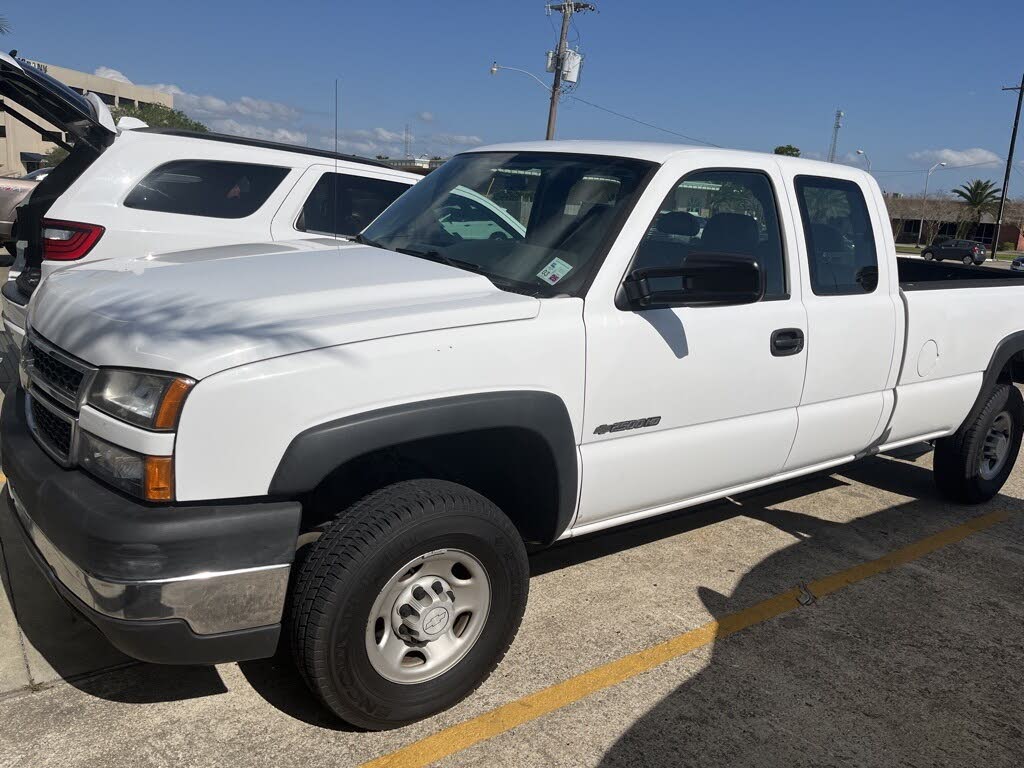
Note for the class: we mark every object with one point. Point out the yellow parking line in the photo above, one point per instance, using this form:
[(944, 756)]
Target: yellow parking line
[(504, 718)]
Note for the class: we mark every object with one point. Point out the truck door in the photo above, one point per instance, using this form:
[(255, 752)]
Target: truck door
[(850, 294), (689, 401)]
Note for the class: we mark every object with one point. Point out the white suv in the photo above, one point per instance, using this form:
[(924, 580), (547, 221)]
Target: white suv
[(130, 191)]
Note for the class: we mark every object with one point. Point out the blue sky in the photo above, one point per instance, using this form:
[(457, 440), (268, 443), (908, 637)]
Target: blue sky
[(919, 81)]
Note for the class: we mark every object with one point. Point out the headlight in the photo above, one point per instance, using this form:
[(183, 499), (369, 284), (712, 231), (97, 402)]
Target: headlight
[(148, 477), (148, 400)]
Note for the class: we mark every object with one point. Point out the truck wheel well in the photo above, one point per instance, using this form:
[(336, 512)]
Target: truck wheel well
[(1013, 371), (513, 467)]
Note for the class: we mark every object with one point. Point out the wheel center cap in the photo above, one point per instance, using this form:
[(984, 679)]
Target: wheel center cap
[(424, 610), (436, 621)]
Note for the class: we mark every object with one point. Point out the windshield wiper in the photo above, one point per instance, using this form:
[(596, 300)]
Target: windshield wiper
[(440, 258), (366, 241)]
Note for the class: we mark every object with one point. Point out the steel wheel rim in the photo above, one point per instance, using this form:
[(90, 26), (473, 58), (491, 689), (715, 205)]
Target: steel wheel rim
[(996, 448), (414, 636)]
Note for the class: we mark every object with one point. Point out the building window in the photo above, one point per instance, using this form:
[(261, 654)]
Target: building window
[(3, 131)]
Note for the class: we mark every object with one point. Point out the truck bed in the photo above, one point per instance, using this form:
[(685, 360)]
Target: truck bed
[(920, 275)]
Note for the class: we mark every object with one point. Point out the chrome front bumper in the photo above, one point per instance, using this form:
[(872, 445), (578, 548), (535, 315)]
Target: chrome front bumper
[(210, 602)]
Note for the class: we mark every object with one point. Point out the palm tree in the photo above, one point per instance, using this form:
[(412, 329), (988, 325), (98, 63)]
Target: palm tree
[(979, 196)]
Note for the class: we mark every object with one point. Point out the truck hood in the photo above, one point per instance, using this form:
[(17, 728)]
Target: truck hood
[(203, 311)]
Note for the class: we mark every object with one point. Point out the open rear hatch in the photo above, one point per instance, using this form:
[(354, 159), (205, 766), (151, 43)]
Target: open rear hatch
[(82, 124)]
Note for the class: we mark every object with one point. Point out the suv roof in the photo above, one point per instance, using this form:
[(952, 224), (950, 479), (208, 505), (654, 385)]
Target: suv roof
[(265, 144)]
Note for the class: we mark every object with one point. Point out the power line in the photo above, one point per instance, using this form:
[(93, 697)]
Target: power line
[(643, 122)]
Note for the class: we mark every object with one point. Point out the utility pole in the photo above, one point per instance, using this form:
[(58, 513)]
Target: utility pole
[(567, 10), (1009, 164), (835, 135)]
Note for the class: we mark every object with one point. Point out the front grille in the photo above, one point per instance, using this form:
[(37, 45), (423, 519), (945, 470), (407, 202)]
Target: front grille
[(52, 430), (55, 373)]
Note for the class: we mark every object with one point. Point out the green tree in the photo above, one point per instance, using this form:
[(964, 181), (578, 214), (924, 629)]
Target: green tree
[(159, 116), (787, 149), (153, 115), (54, 156), (980, 197)]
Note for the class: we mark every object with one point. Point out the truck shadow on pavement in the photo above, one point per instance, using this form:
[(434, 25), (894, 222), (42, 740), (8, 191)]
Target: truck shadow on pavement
[(918, 672), (62, 645), (922, 666)]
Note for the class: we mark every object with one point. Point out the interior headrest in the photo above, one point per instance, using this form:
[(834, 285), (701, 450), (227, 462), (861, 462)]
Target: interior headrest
[(730, 233), (678, 223)]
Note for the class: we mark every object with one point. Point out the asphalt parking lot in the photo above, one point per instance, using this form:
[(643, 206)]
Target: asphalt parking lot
[(846, 619)]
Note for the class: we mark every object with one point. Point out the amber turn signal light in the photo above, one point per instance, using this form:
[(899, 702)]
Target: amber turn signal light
[(170, 406), (159, 478)]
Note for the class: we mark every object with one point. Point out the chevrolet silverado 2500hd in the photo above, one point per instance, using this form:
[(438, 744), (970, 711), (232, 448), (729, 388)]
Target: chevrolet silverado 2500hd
[(206, 450)]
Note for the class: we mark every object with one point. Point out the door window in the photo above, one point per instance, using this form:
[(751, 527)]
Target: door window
[(731, 212), (206, 188), (342, 204), (840, 243)]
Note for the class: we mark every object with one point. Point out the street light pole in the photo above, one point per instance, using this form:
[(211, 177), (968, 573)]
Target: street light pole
[(1009, 164), (924, 202), (866, 158)]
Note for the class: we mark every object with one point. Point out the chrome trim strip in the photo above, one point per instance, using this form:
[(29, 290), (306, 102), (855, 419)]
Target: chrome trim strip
[(210, 602)]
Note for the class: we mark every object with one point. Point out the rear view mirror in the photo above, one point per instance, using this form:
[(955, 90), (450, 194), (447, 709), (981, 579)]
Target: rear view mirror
[(705, 279)]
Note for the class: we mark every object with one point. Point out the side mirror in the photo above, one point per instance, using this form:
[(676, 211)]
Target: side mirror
[(704, 280)]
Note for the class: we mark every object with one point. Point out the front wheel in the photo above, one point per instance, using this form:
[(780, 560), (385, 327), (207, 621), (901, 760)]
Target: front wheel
[(972, 464), (408, 602)]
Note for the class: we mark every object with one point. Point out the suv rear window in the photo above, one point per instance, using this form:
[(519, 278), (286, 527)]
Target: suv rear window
[(345, 205), (206, 188)]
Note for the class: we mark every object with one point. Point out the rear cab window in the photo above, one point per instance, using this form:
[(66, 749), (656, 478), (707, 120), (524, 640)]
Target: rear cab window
[(841, 251), (344, 204), (211, 188)]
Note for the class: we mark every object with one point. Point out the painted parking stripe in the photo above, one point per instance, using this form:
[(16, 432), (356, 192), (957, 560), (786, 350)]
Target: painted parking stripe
[(490, 724)]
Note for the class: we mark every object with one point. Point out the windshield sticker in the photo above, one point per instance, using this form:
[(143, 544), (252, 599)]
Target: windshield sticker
[(554, 271)]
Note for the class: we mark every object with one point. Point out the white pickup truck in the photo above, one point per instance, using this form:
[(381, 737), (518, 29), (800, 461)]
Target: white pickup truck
[(206, 449)]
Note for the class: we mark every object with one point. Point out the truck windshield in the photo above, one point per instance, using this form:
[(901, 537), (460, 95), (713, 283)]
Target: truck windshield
[(533, 222)]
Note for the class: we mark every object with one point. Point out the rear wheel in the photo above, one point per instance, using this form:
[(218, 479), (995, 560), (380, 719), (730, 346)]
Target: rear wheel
[(927, 256), (408, 602), (968, 260), (972, 464)]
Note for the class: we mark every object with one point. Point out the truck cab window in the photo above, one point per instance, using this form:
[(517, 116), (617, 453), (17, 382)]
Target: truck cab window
[(840, 244), (730, 212)]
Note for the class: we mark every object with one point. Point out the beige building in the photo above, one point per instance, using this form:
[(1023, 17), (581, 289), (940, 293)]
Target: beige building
[(22, 149)]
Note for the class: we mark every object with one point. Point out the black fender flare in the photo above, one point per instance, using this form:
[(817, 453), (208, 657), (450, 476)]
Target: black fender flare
[(316, 452), (1005, 350)]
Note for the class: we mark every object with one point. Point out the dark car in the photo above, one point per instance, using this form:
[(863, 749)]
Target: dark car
[(967, 251), (1017, 265)]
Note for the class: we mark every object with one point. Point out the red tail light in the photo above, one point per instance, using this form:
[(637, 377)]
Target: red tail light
[(68, 240)]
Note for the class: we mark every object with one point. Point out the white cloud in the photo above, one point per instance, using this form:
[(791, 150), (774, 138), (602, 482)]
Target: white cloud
[(957, 157), (253, 131), (457, 139), (205, 106), (426, 117), (111, 74)]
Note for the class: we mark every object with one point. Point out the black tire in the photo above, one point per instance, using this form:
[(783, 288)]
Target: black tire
[(349, 565), (927, 256), (958, 457), (968, 260)]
